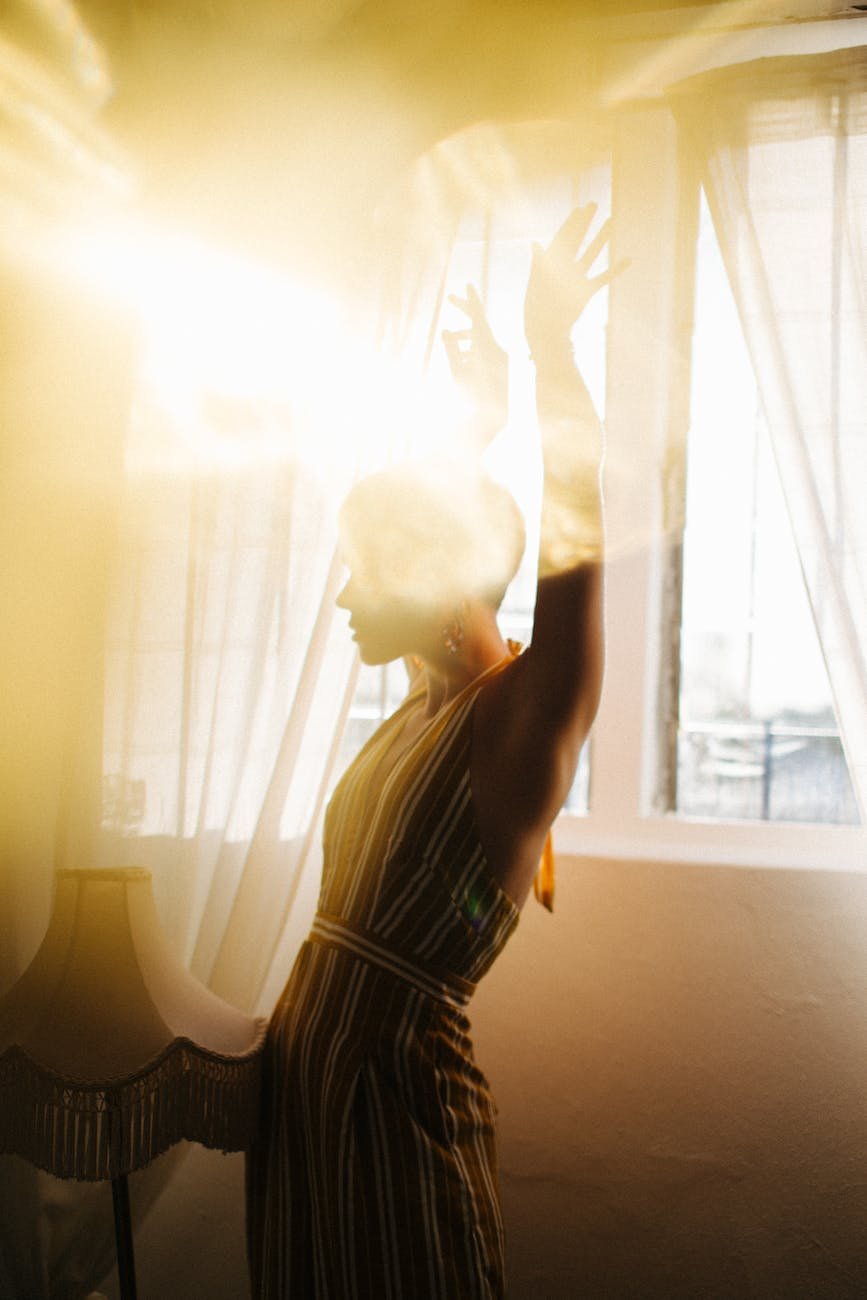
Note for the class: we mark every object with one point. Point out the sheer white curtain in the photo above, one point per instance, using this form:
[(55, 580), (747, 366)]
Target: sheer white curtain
[(227, 670), (782, 144), (228, 673)]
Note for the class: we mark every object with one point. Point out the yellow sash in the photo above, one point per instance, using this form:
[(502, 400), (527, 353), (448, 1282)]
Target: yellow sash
[(543, 881)]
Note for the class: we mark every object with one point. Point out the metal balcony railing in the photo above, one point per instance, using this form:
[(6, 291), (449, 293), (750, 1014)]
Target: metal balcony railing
[(763, 770)]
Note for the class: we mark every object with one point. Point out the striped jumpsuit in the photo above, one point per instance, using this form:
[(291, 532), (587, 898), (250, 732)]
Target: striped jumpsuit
[(375, 1172)]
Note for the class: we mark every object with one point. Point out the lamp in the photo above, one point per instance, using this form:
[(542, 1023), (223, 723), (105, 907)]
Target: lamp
[(110, 1051)]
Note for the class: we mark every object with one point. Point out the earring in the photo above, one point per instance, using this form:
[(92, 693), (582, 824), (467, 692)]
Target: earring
[(453, 634)]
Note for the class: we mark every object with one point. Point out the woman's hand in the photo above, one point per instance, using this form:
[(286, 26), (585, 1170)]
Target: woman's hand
[(560, 285), (480, 367)]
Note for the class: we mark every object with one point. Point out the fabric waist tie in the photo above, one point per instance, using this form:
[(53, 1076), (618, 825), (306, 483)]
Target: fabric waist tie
[(332, 932)]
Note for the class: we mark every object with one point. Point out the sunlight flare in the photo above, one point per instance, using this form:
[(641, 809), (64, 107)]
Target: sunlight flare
[(241, 364)]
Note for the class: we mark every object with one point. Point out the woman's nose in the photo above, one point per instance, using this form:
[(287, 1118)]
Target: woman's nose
[(343, 600)]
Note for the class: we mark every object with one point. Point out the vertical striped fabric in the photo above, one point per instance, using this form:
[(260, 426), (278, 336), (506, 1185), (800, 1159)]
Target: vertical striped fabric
[(375, 1171)]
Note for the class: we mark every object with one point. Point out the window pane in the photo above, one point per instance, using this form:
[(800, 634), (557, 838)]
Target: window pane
[(757, 736)]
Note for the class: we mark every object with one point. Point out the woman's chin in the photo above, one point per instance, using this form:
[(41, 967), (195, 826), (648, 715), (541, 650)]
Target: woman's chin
[(373, 655)]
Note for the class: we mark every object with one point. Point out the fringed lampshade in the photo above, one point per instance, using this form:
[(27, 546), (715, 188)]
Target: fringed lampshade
[(110, 1051)]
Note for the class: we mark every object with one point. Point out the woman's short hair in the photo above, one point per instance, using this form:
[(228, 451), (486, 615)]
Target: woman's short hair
[(433, 532)]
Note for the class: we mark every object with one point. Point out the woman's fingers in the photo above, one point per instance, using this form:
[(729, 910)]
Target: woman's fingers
[(595, 247), (610, 273), (451, 343), (470, 305), (474, 302), (573, 231), (478, 335)]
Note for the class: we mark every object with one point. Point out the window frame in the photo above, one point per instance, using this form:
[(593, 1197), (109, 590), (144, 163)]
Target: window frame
[(621, 823), (655, 203)]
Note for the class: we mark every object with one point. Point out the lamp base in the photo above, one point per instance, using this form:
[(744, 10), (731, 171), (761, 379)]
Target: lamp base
[(123, 1237)]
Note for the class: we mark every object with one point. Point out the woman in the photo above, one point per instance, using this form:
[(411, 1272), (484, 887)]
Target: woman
[(375, 1173)]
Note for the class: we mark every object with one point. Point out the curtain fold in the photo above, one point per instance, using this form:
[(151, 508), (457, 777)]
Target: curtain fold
[(782, 146), (227, 677)]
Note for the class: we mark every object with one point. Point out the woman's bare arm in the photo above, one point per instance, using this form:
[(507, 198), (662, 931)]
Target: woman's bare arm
[(533, 718), (562, 669)]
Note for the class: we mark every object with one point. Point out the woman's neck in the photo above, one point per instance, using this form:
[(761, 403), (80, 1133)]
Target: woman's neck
[(448, 673)]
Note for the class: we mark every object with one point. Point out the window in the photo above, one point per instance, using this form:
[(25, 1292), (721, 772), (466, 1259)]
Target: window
[(712, 817), (756, 735)]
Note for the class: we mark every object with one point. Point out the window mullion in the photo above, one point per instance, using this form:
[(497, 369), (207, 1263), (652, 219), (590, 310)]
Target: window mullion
[(655, 219)]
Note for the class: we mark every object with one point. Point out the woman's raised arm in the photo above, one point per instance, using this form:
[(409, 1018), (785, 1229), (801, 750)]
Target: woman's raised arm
[(533, 718), (563, 667)]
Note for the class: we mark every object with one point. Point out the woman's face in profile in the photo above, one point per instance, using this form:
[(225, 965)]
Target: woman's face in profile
[(384, 625), (418, 541)]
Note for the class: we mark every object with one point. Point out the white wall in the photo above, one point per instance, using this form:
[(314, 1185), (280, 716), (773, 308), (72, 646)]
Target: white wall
[(680, 1058)]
